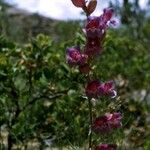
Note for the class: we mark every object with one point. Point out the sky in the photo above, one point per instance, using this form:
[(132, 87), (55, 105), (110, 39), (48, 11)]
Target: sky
[(60, 9)]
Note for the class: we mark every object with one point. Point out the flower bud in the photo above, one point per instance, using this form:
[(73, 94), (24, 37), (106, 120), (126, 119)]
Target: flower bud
[(108, 13), (85, 69), (79, 3), (92, 89), (91, 6), (106, 147)]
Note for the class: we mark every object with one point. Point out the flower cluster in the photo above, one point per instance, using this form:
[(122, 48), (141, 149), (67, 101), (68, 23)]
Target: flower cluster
[(95, 32), (75, 57), (106, 147), (107, 123), (95, 89)]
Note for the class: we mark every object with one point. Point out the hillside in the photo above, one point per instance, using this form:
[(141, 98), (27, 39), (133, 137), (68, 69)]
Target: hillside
[(26, 25)]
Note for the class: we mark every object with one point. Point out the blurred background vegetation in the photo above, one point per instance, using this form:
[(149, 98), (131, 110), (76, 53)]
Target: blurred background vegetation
[(42, 100)]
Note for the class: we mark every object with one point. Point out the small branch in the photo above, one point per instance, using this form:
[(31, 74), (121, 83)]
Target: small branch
[(90, 127), (15, 97), (30, 81), (51, 97), (35, 99)]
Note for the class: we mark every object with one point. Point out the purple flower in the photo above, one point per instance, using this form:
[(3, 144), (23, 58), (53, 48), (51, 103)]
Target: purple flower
[(92, 89), (75, 57), (107, 14), (106, 147), (96, 26), (95, 30), (107, 89), (101, 125), (96, 89), (92, 22), (92, 27), (107, 123), (92, 47), (114, 120), (105, 19)]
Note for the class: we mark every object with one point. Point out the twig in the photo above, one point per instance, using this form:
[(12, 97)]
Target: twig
[(30, 81), (90, 127)]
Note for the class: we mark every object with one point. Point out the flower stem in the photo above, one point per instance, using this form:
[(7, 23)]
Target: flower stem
[(90, 127)]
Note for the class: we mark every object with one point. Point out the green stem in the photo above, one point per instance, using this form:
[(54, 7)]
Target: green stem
[(90, 127), (30, 82)]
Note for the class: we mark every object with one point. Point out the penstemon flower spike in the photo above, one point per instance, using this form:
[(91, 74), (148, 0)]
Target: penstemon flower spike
[(95, 32)]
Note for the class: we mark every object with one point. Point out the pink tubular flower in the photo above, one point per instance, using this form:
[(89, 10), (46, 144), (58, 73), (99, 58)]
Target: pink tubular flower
[(95, 30), (96, 26), (92, 27), (106, 123), (114, 120), (107, 14), (96, 89), (106, 147), (92, 89), (107, 89), (79, 3), (100, 125), (105, 18), (75, 57), (92, 47)]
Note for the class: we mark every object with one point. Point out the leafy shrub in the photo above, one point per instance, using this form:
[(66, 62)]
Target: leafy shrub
[(42, 98)]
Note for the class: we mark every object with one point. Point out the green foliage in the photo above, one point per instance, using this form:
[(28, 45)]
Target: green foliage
[(36, 87), (42, 98)]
